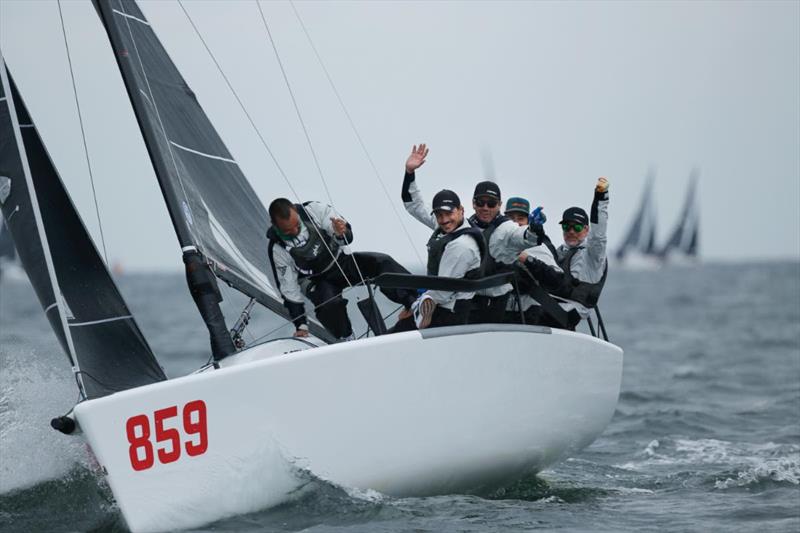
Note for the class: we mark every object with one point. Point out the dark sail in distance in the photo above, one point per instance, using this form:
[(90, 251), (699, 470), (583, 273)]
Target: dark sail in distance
[(642, 233), (110, 352), (684, 237)]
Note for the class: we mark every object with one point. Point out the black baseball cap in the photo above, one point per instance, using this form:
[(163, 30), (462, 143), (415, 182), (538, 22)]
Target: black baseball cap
[(446, 200), (575, 214), (487, 188)]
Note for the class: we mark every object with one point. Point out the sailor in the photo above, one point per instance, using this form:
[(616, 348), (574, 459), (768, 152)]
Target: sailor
[(518, 210), (582, 257), (505, 240), (309, 253), (455, 250)]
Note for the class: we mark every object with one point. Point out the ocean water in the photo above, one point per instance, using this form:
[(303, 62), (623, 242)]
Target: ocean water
[(706, 435)]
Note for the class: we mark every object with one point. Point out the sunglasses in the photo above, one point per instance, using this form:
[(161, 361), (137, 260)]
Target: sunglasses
[(485, 203), (577, 227)]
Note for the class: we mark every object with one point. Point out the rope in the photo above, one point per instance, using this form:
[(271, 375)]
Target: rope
[(358, 136), (260, 136), (83, 132), (302, 122)]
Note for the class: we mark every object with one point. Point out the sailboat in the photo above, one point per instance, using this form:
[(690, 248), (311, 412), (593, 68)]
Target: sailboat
[(639, 249), (682, 245), (445, 410)]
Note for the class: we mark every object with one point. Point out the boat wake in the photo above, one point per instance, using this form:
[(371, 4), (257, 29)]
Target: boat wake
[(722, 464), (33, 392)]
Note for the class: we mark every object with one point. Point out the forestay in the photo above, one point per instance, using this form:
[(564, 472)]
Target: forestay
[(211, 203), (94, 326)]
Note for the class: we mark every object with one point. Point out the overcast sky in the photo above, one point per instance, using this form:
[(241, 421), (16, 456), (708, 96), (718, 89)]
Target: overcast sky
[(558, 93)]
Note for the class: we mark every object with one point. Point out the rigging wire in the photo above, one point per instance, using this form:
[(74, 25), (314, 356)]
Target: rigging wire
[(260, 136), (302, 123), (83, 132), (357, 134)]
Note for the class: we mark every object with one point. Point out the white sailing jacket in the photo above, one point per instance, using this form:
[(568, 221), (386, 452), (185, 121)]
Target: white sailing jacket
[(460, 255), (289, 276), (589, 262), (506, 243)]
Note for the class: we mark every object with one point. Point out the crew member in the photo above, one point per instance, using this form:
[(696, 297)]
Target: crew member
[(518, 210), (505, 240), (308, 246), (582, 257), (455, 250)]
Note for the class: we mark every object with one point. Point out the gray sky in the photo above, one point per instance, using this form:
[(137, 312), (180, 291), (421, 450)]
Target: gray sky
[(560, 93)]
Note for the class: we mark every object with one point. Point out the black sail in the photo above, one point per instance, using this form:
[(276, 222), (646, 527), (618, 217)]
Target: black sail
[(641, 234), (105, 346), (212, 205), (684, 236)]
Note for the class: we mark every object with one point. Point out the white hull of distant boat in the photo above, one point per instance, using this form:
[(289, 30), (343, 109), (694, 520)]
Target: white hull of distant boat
[(447, 410)]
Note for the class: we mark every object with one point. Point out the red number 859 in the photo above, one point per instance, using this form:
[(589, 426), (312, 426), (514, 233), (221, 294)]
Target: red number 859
[(138, 429)]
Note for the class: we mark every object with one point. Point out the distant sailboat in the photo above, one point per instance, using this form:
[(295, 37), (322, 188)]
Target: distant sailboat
[(639, 246), (682, 244)]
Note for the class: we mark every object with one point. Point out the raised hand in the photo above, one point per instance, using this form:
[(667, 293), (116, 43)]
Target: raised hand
[(339, 226), (602, 184), (417, 158), (537, 216)]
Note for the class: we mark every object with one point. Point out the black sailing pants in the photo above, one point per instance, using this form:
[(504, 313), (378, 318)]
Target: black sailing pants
[(441, 317), (488, 309), (326, 289)]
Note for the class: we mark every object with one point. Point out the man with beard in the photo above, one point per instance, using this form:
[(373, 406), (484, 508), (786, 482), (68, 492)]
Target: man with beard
[(455, 250)]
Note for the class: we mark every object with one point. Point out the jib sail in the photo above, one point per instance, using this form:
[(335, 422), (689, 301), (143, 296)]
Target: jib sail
[(212, 205), (94, 326)]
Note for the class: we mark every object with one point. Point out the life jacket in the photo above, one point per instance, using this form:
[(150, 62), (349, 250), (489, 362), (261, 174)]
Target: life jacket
[(490, 264), (583, 292), (316, 255), (439, 240)]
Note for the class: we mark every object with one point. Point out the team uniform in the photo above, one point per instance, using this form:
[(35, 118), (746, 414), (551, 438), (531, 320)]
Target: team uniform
[(458, 254), (319, 264)]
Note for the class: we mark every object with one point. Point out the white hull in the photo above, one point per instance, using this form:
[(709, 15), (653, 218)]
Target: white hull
[(444, 411)]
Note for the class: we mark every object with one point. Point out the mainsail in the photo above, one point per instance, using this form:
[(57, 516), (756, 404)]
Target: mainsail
[(641, 236), (212, 205), (684, 237), (94, 326)]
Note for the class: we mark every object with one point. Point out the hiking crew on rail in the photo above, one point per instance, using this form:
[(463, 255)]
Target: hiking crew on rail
[(582, 258), (504, 239), (309, 253)]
